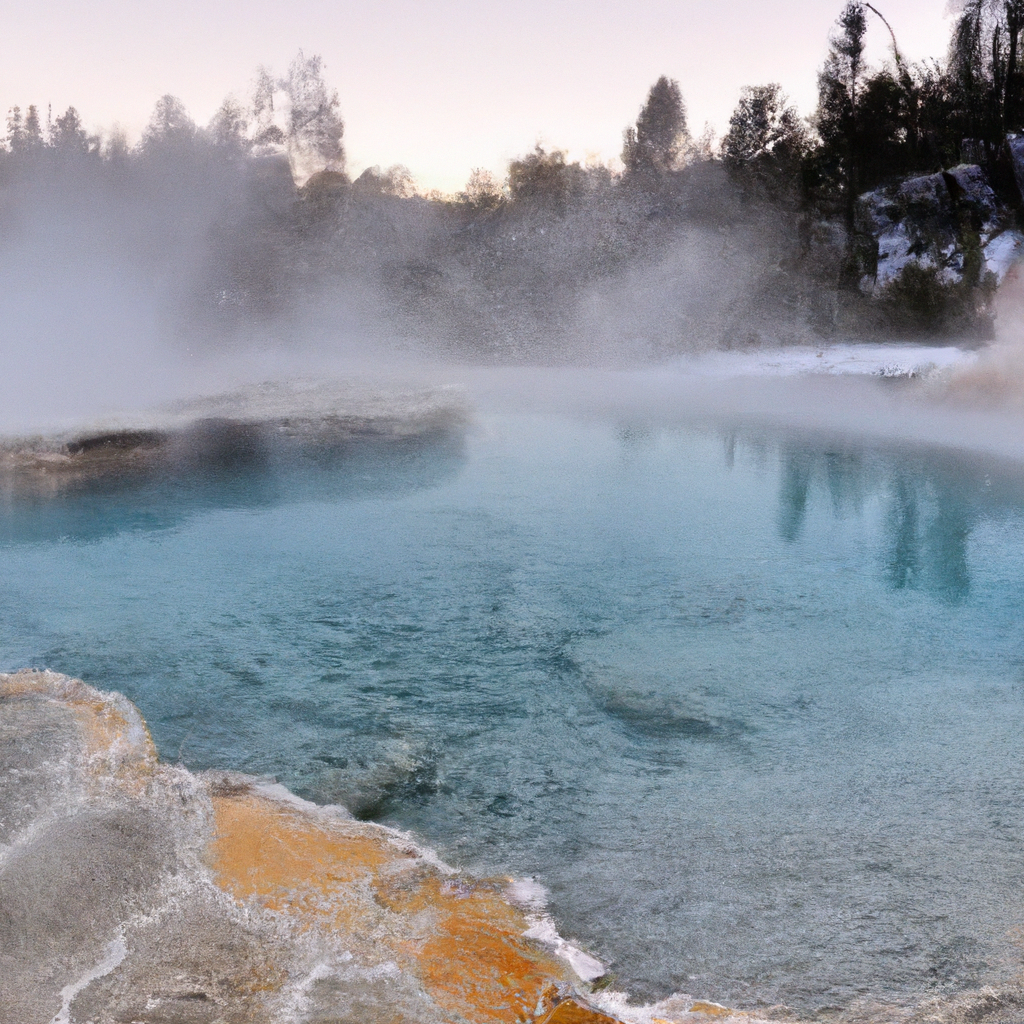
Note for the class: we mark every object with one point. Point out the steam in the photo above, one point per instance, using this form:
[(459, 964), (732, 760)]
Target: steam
[(207, 258), (996, 378), (129, 282)]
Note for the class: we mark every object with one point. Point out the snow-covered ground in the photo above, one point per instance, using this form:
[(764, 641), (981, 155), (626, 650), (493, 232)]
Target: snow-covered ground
[(839, 359)]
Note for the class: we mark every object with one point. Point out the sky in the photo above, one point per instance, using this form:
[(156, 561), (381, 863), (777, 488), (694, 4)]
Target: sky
[(439, 87)]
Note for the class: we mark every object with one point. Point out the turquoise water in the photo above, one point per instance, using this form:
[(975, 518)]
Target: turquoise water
[(751, 707)]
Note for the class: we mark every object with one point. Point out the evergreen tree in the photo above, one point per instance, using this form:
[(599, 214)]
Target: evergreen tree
[(888, 129), (656, 144), (116, 148), (762, 126), (15, 130), (766, 142), (985, 73), (24, 134), (170, 127), (228, 127), (1013, 80), (839, 85), (33, 129), (67, 136)]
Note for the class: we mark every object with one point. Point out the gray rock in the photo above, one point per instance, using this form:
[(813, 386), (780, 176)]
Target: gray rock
[(975, 191), (930, 221), (40, 755), (196, 963), (1015, 145), (63, 897)]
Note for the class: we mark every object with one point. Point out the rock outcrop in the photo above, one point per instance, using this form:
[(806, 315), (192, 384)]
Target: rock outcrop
[(950, 225)]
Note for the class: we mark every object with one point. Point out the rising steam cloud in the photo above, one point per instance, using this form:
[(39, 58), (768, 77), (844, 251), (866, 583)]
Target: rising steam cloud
[(128, 277)]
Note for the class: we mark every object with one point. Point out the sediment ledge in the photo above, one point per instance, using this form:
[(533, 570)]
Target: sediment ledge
[(257, 427)]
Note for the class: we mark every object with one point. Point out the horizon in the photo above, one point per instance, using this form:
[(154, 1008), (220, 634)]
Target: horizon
[(458, 98)]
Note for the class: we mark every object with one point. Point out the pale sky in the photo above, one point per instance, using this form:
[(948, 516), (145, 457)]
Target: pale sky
[(439, 87)]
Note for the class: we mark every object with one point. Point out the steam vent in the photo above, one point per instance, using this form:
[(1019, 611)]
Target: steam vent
[(132, 890)]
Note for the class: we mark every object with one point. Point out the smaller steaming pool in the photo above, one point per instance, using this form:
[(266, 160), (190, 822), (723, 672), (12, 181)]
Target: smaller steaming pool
[(751, 707)]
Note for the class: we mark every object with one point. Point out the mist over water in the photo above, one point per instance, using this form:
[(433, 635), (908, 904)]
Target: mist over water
[(193, 263)]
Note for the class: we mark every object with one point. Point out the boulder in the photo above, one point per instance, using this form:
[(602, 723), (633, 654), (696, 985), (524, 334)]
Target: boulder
[(1015, 145), (936, 222)]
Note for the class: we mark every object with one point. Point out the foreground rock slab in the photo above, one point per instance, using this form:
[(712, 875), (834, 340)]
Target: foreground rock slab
[(136, 891)]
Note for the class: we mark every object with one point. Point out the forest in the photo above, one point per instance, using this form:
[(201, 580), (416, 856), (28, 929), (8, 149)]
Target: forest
[(892, 211)]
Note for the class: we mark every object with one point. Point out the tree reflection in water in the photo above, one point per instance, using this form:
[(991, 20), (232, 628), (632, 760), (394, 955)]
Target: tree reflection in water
[(931, 502)]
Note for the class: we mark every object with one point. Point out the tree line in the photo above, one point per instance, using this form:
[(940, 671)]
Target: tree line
[(782, 186), (871, 125)]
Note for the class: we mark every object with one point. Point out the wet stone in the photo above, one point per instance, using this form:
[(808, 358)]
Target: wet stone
[(39, 751), (63, 896), (195, 964), (136, 892)]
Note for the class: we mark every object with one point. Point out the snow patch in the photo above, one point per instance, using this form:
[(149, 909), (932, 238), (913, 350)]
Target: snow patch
[(1003, 252), (833, 360)]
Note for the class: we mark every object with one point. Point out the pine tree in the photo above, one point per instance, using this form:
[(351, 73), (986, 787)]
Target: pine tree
[(170, 127), (228, 127), (15, 130), (985, 74), (762, 125), (33, 129), (656, 144), (67, 136), (839, 84), (24, 134)]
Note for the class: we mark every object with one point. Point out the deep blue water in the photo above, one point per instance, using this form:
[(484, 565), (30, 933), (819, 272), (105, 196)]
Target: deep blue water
[(751, 707)]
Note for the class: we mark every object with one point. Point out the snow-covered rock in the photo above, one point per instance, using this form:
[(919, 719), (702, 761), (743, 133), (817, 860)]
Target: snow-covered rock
[(933, 221), (1002, 252), (894, 253)]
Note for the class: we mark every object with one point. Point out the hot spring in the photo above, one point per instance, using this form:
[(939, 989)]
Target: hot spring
[(747, 702)]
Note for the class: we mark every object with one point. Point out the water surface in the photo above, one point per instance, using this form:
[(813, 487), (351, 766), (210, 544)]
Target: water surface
[(750, 707)]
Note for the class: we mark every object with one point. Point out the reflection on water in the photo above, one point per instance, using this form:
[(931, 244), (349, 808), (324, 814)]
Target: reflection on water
[(364, 467), (903, 561), (796, 481), (929, 525), (932, 504)]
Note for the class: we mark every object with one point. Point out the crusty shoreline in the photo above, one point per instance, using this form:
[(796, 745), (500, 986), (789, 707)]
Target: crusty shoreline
[(252, 428), (136, 891)]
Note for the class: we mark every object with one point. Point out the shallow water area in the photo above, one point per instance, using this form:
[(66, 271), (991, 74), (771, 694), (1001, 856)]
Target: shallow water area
[(748, 703)]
